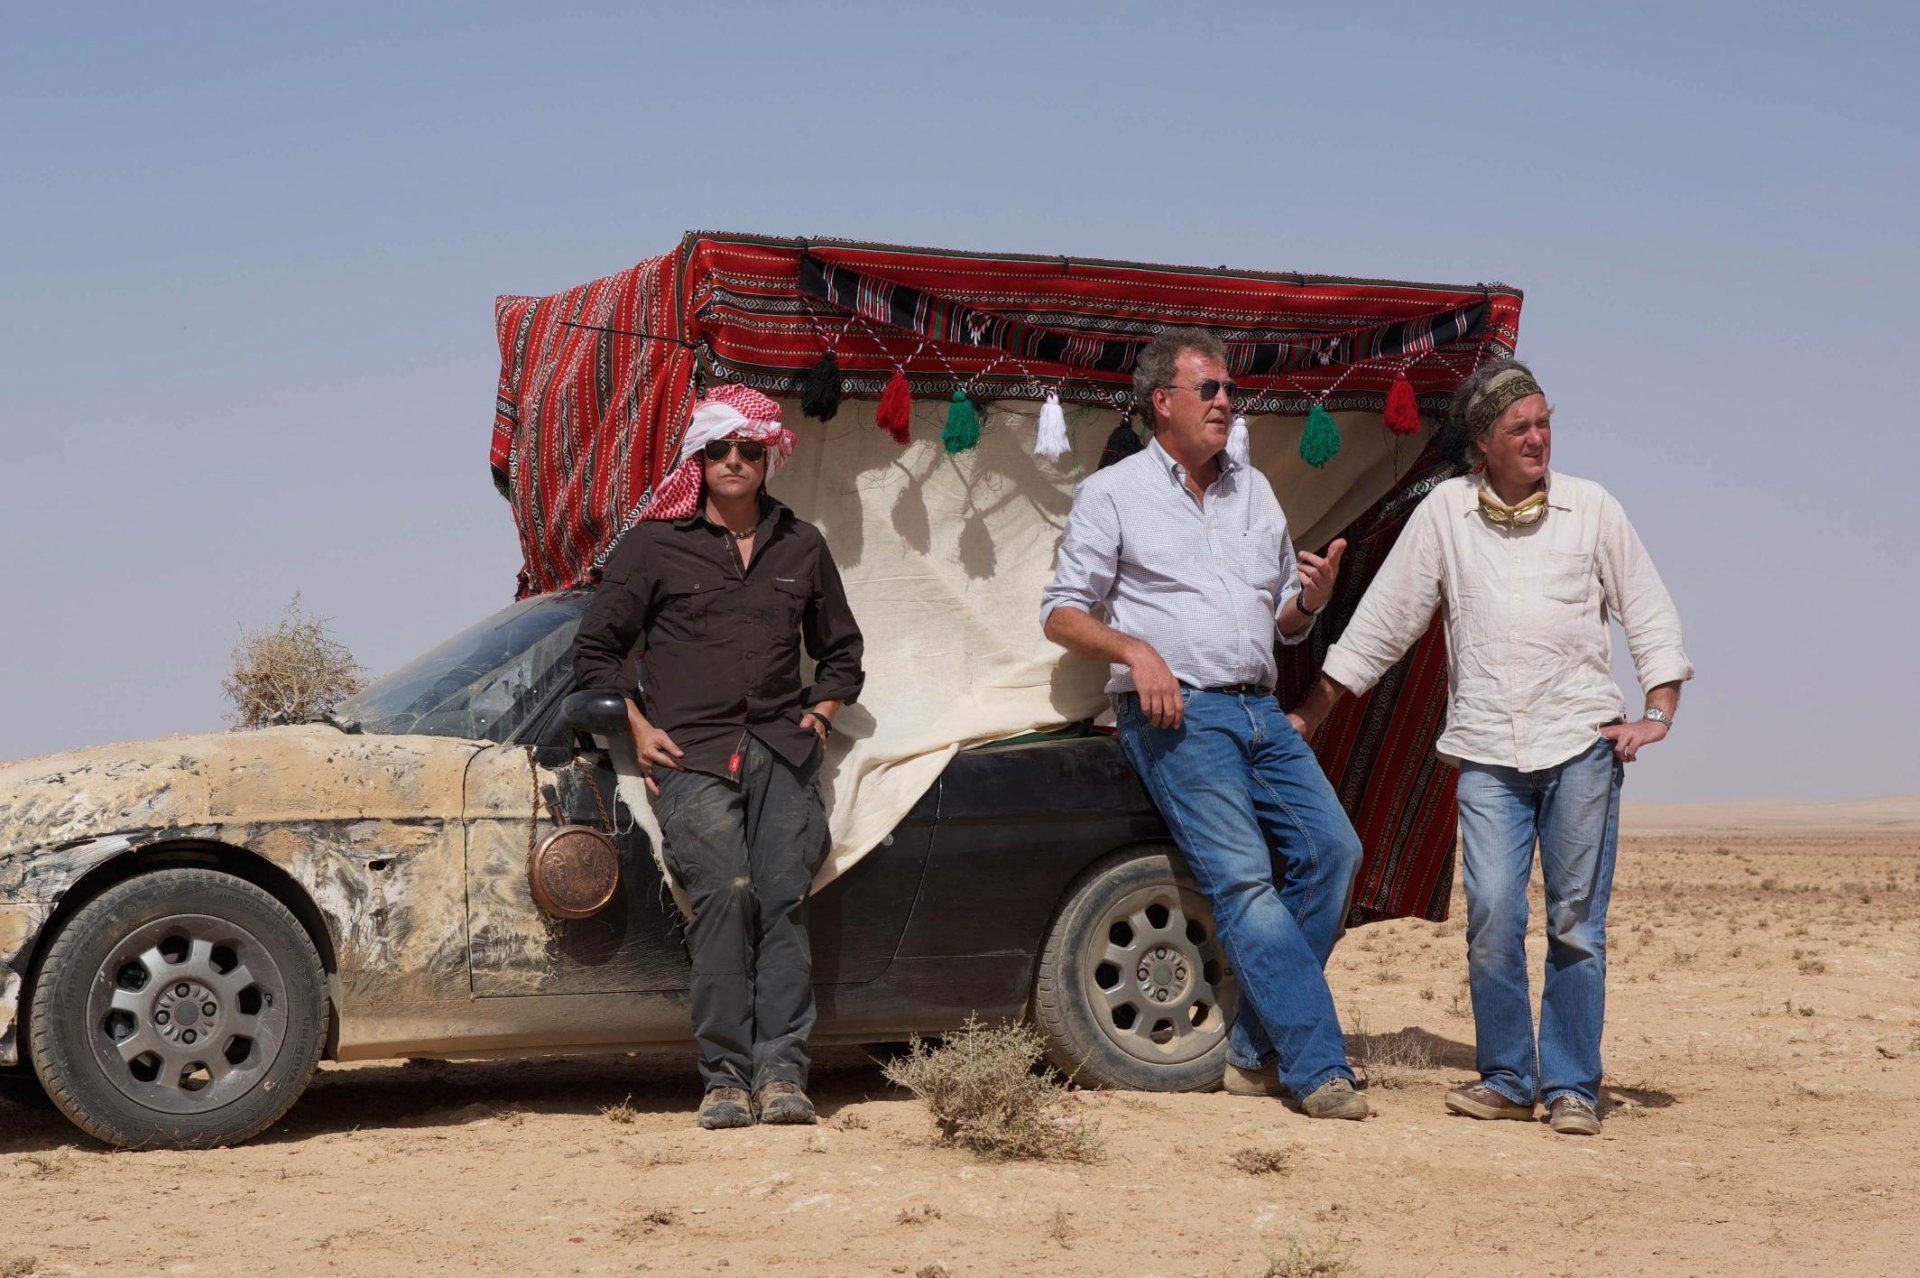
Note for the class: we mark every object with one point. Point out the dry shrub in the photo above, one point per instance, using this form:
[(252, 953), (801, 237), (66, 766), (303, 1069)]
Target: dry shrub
[(1327, 1258), (1261, 1160), (917, 1215), (647, 1222), (1060, 1229), (984, 1093), (294, 672), (623, 1113), (19, 1266), (1392, 1060)]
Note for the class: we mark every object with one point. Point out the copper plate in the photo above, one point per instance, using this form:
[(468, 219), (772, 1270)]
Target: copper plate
[(575, 872)]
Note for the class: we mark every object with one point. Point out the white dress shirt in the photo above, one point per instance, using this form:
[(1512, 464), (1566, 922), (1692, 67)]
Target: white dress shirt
[(1203, 582), (1529, 655)]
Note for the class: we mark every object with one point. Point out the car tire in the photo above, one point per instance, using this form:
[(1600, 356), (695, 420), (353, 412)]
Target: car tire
[(180, 1008), (1133, 989)]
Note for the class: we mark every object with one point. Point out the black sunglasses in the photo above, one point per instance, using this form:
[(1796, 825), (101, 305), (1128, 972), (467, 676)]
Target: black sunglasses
[(1209, 388), (751, 450)]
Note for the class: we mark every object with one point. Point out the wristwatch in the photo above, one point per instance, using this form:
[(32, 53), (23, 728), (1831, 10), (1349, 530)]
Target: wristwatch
[(1658, 715)]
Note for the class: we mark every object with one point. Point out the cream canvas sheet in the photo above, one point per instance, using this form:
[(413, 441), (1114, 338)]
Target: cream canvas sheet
[(944, 559)]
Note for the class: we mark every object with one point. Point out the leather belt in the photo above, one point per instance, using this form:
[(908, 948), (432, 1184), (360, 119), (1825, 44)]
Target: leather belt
[(1241, 689)]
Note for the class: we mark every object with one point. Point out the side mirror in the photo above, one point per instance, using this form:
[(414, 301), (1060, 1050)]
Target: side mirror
[(595, 711)]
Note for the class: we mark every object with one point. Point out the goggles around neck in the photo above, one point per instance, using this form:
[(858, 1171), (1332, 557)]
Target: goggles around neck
[(1524, 515)]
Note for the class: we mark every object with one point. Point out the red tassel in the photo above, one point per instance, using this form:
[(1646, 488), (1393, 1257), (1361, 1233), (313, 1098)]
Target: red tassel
[(1403, 413), (895, 413)]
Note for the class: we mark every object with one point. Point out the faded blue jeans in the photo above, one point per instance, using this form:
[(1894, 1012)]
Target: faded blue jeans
[(1248, 805), (1573, 811)]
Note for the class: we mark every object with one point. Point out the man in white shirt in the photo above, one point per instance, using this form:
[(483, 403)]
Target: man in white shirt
[(1186, 553), (1529, 565)]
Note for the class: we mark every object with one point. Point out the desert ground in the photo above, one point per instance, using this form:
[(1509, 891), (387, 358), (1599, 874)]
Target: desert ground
[(1762, 1116)]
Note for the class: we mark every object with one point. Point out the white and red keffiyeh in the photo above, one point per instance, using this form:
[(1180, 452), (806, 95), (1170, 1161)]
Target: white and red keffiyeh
[(728, 412)]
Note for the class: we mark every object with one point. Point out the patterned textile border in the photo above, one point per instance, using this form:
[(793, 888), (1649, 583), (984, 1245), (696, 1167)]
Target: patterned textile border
[(1251, 352), (1378, 749), (766, 331)]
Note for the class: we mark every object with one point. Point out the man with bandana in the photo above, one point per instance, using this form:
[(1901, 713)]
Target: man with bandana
[(1529, 565), (721, 587)]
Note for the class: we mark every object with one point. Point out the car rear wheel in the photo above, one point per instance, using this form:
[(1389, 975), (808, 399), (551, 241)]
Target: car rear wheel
[(1133, 990), (183, 1007)]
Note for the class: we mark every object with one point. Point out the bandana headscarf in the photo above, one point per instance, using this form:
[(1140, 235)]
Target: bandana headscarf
[(730, 411), (1501, 392)]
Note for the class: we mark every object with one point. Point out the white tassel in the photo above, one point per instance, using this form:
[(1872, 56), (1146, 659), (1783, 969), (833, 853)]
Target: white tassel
[(1052, 441), (1239, 447)]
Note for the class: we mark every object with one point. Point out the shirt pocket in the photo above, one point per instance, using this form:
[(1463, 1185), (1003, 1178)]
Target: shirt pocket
[(686, 597), (1254, 558), (787, 601), (1567, 576)]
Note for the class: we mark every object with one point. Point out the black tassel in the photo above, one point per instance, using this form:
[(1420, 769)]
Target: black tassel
[(1123, 443), (820, 392)]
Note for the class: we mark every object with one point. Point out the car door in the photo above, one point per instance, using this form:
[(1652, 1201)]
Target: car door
[(632, 946)]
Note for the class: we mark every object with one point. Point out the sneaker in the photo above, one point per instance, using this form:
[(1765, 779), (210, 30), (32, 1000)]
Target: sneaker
[(1335, 1098), (1571, 1116), (1252, 1082), (1481, 1101), (726, 1107), (783, 1102)]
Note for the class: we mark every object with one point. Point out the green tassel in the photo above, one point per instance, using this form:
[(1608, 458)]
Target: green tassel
[(1321, 439), (963, 425)]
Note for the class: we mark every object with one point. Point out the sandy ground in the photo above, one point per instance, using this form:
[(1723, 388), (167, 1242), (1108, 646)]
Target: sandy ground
[(1763, 1092)]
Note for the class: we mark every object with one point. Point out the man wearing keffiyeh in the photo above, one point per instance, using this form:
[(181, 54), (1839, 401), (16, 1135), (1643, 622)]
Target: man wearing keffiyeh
[(721, 587)]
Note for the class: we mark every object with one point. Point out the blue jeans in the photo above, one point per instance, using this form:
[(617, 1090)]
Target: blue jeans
[(1573, 811), (1247, 803)]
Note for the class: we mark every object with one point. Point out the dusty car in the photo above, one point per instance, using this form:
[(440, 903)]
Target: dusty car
[(188, 926)]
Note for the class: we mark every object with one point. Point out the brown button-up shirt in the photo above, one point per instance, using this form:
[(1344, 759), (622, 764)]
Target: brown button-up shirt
[(721, 642)]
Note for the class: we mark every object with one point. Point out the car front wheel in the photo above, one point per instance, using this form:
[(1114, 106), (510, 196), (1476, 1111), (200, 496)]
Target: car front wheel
[(182, 1007), (1133, 990)]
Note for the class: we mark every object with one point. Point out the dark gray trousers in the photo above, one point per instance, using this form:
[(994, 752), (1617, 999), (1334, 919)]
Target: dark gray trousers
[(745, 855)]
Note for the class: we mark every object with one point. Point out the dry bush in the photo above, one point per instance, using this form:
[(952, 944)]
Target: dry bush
[(1328, 1258), (623, 1113), (1060, 1229), (985, 1094), (294, 672), (19, 1266), (1391, 1060), (647, 1222), (1261, 1160), (917, 1215)]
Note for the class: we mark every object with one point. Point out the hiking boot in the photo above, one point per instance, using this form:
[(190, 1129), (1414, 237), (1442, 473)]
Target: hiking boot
[(1252, 1082), (1335, 1098), (726, 1107), (1482, 1101), (783, 1102), (1571, 1116)]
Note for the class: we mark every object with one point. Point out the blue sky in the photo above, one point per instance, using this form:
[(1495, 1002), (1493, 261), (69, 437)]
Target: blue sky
[(250, 259)]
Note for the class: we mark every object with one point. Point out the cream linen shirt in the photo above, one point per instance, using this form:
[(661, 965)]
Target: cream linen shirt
[(1529, 655)]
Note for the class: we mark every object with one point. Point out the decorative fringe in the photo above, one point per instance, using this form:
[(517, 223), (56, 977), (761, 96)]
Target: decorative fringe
[(1239, 445), (963, 425), (895, 414), (1321, 438), (1122, 444), (1051, 442), (820, 392), (1403, 412)]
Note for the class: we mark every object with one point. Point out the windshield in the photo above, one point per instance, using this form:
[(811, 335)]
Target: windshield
[(484, 682)]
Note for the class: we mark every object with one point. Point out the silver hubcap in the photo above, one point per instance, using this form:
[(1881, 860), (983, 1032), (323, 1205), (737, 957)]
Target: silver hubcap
[(187, 1013), (1159, 985)]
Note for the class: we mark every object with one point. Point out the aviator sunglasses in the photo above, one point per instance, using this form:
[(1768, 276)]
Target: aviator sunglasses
[(1207, 389), (751, 450)]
